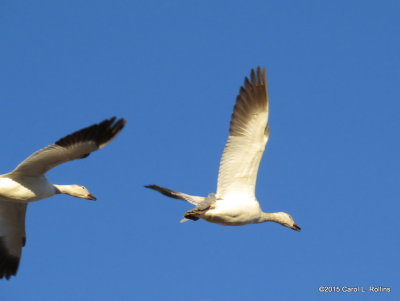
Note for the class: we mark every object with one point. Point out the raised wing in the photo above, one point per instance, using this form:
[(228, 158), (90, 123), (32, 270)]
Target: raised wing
[(248, 135), (12, 237), (77, 145)]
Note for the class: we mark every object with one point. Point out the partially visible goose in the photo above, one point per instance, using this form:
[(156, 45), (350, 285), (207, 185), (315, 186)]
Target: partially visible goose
[(27, 183), (235, 203)]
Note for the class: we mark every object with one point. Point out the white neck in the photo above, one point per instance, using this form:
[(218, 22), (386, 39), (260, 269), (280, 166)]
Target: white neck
[(277, 217), (65, 189)]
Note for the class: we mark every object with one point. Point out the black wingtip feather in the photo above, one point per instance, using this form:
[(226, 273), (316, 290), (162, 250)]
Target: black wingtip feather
[(252, 96), (8, 263), (164, 191), (101, 133)]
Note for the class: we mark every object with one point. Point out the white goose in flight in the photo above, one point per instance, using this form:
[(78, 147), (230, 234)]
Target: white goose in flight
[(27, 183), (235, 203)]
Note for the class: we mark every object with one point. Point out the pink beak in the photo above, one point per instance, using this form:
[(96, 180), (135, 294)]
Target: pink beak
[(91, 197)]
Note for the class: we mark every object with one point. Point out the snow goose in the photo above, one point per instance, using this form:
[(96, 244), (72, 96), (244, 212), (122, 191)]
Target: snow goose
[(235, 203), (27, 183)]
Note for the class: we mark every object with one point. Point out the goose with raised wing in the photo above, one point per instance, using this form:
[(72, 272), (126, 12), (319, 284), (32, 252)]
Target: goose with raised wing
[(27, 183), (235, 203)]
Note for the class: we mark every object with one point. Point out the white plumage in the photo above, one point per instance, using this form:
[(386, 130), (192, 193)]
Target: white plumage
[(235, 203), (27, 183)]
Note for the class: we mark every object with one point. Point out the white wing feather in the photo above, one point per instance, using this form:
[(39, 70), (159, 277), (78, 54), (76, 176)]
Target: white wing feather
[(248, 137), (77, 145), (49, 157)]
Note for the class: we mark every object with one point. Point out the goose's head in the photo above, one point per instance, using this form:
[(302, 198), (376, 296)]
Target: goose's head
[(288, 221), (282, 218), (78, 191), (82, 192)]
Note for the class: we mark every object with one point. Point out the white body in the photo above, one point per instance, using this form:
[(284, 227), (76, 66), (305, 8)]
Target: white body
[(27, 183), (25, 189), (233, 212), (235, 203)]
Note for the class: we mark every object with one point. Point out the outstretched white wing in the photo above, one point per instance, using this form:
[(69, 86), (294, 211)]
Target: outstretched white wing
[(248, 136), (78, 145)]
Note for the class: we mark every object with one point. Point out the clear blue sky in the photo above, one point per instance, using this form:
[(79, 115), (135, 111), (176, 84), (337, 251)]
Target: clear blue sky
[(173, 69)]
